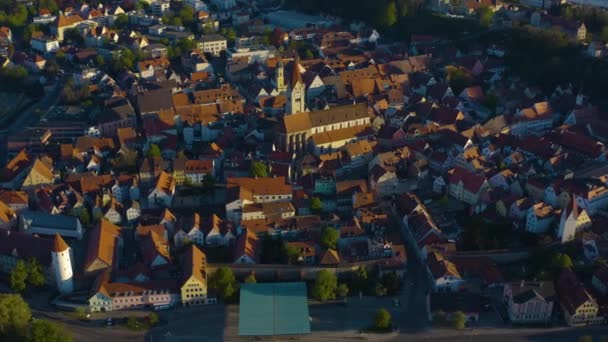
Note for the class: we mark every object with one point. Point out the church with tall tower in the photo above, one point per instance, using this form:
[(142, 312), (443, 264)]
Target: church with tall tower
[(296, 90)]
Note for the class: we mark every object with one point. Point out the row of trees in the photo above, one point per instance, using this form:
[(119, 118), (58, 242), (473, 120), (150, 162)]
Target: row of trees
[(184, 17), (370, 284), (14, 17), (548, 58), (595, 19), (326, 286), (16, 323), (457, 320), (381, 14), (27, 274)]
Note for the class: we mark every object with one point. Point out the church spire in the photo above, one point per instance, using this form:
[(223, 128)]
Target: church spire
[(295, 72)]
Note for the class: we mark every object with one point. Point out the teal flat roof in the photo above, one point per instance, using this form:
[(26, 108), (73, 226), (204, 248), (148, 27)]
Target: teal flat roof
[(273, 309)]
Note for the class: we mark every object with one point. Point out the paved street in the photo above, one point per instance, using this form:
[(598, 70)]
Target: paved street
[(417, 286)]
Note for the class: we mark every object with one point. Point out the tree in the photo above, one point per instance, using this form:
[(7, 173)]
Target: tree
[(342, 290), (186, 15), (291, 253), (459, 320), (379, 290), (316, 205), (14, 315), (35, 274), (276, 37), (47, 331), (330, 237), (485, 16), (51, 5), (224, 282), (73, 35), (154, 151), (153, 319), (19, 277), (385, 14), (250, 279), (126, 160), (121, 21), (29, 30), (258, 169), (402, 6), (361, 280), (85, 217), (382, 319), (604, 34), (391, 282), (81, 313), (73, 93), (325, 286), (458, 78), (561, 260), (439, 317), (132, 323), (17, 17)]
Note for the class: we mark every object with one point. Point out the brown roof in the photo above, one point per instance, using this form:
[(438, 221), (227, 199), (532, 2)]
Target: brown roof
[(247, 244), (330, 257), (155, 244), (571, 291), (441, 267), (543, 209), (305, 121), (26, 246), (63, 21), (43, 170), (16, 165), (6, 213), (165, 182), (194, 264), (363, 199), (146, 230), (296, 76), (471, 181), (260, 186), (199, 166), (349, 186), (297, 122), (342, 134), (155, 63), (59, 244), (102, 244), (14, 197)]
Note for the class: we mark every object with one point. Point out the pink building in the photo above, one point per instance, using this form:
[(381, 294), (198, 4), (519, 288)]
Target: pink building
[(154, 294)]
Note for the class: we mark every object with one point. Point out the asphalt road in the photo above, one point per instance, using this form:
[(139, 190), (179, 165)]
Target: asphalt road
[(417, 285)]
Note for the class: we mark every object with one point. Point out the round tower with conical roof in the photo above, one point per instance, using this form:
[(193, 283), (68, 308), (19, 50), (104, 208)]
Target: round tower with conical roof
[(62, 265)]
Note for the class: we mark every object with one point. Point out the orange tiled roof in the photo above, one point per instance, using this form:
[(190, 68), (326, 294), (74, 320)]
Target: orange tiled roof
[(63, 21)]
